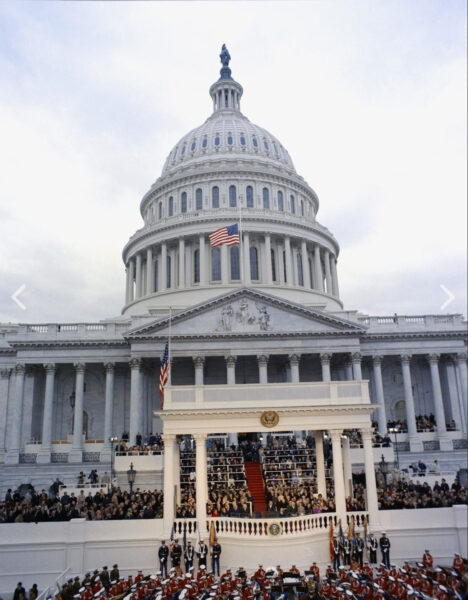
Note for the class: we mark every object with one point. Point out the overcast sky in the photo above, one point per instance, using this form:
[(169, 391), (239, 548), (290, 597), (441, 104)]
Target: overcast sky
[(369, 98)]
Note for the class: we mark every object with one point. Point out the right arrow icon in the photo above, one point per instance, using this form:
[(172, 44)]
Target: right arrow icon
[(450, 297)]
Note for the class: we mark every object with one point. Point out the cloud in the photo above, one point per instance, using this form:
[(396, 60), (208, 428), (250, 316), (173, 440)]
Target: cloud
[(369, 99)]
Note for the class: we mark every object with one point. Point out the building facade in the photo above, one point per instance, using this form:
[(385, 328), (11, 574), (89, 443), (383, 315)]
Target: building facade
[(252, 323)]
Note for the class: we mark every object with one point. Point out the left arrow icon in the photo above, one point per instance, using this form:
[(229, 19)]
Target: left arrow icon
[(18, 292)]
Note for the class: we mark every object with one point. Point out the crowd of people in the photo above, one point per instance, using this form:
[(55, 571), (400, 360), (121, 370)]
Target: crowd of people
[(422, 580), (408, 494), (423, 423), (112, 504), (144, 445)]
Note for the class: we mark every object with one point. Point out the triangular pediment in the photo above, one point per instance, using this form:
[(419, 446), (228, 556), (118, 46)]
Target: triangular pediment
[(246, 312)]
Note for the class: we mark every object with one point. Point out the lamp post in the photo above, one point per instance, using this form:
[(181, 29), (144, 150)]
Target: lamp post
[(383, 467), (131, 474), (396, 430), (112, 441)]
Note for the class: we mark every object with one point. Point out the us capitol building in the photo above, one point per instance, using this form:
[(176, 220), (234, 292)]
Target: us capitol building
[(256, 328)]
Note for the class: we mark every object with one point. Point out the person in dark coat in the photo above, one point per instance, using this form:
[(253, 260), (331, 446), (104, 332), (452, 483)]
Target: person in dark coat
[(20, 592), (104, 577)]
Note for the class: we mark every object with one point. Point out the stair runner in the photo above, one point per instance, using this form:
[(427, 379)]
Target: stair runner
[(255, 484)]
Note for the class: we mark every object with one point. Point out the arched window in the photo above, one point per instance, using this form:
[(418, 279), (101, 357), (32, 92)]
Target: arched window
[(216, 264), (249, 196), (193, 146), (216, 140), (196, 266), (311, 272), (198, 199), (232, 196), (182, 152), (215, 197), (156, 275), (255, 142), (253, 263), (280, 201), (183, 202), (160, 210), (235, 266), (302, 207), (266, 198), (242, 140), (300, 273), (170, 210), (292, 200), (204, 142), (229, 140), (273, 265), (284, 267), (168, 272), (265, 143)]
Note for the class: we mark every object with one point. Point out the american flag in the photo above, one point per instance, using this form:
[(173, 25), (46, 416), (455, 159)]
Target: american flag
[(225, 235), (163, 374)]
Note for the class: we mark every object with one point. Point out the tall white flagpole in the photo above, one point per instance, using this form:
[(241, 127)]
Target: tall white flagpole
[(169, 380), (241, 254)]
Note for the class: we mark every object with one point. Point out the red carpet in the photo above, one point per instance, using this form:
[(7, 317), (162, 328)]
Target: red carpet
[(254, 477)]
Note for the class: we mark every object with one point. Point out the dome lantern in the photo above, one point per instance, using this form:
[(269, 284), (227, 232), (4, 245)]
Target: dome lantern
[(226, 92)]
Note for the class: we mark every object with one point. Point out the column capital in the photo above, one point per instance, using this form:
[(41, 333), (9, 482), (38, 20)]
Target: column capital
[(50, 367), (199, 361), (230, 360), (294, 359), (461, 357), (109, 367), (336, 434), (326, 357), (367, 433), (169, 437), (199, 437), (79, 367), (5, 373), (20, 368), (377, 359), (262, 358), (134, 363), (433, 358), (356, 357), (405, 358)]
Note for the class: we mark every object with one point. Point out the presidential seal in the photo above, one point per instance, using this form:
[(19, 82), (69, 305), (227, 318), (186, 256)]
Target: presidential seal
[(274, 529), (269, 418)]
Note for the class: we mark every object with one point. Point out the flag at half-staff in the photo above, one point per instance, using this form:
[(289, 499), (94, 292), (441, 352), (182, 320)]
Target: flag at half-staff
[(164, 373), (225, 236)]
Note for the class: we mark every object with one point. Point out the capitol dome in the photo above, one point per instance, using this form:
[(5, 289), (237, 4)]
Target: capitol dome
[(229, 171)]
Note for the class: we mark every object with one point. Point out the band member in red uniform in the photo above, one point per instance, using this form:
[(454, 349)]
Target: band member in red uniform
[(259, 575), (427, 559), (458, 563), (314, 568), (294, 570)]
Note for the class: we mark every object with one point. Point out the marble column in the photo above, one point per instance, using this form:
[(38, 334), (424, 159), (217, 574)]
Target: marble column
[(371, 486), (320, 458), (455, 399), (163, 267), (203, 265), (136, 412), (201, 481), (199, 362), (415, 442), (176, 467), (76, 452), (336, 290), (181, 263), (263, 368), (356, 360), (287, 250), (294, 366), (444, 441), (340, 496), (12, 456), (325, 362), (43, 456), (139, 286), (347, 470), (268, 273), (348, 370), (108, 412), (328, 277), (318, 269), (127, 284), (149, 272), (131, 280), (169, 483), (379, 393), (4, 388), (246, 251), (305, 265), (231, 370), (461, 369)]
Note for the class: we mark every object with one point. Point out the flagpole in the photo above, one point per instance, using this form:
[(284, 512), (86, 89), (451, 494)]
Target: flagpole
[(169, 347), (241, 254)]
